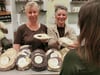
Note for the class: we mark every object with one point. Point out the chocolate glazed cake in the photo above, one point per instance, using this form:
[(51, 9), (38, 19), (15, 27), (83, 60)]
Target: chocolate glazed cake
[(39, 60)]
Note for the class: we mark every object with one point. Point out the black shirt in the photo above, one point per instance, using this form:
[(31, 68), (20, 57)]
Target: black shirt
[(61, 31)]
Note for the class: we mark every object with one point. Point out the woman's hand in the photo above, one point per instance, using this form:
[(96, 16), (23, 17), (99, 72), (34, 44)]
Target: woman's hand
[(53, 43)]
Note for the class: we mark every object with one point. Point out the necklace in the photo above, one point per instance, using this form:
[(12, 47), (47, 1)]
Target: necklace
[(33, 27)]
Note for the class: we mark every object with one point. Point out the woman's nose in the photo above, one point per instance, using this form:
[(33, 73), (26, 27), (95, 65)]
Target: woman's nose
[(61, 16), (32, 14)]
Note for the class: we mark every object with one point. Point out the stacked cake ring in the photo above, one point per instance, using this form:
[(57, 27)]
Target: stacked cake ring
[(7, 59), (23, 61), (39, 60), (54, 60)]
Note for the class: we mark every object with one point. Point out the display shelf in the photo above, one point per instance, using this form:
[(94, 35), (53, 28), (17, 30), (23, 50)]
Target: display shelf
[(78, 2), (75, 5), (21, 1), (5, 16)]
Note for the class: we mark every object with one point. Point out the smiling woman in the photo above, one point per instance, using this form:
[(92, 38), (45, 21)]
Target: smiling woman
[(60, 15), (60, 28), (25, 32)]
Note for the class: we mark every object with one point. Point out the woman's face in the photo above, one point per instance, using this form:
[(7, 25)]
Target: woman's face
[(60, 16), (32, 13)]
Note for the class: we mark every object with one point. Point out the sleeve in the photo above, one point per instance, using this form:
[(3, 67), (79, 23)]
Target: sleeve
[(44, 28), (72, 64), (67, 68), (18, 36), (72, 34), (53, 42), (50, 32)]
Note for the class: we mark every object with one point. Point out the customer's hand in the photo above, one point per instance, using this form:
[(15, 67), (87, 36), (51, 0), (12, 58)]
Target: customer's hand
[(74, 45)]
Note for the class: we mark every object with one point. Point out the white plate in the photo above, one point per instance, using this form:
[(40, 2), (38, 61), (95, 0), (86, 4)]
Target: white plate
[(42, 36)]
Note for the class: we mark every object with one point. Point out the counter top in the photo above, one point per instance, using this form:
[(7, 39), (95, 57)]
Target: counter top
[(28, 72)]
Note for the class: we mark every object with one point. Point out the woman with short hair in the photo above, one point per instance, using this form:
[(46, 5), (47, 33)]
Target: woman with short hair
[(60, 29)]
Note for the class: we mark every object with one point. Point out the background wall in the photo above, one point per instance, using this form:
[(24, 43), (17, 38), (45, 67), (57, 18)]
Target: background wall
[(18, 17), (9, 25)]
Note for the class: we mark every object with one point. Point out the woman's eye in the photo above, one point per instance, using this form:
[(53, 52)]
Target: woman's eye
[(63, 15), (30, 12), (59, 14)]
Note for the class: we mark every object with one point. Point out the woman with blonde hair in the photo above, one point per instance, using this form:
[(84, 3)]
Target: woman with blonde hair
[(25, 32)]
